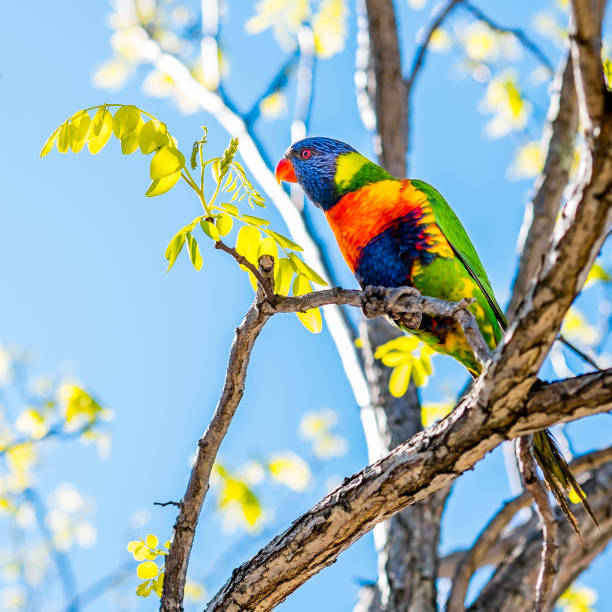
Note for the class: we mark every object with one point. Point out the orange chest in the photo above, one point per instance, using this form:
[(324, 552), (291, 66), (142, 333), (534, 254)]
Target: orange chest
[(361, 216)]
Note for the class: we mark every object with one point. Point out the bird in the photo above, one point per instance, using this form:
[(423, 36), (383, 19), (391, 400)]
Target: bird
[(402, 233)]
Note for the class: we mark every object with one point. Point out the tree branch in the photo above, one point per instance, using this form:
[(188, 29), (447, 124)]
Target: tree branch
[(177, 559), (390, 94), (489, 548), (519, 34), (278, 81), (266, 284), (214, 103), (440, 14), (511, 587), (550, 547), (414, 470), (541, 213), (585, 47)]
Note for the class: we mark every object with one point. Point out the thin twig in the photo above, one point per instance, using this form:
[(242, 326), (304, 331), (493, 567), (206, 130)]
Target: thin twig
[(62, 562), (417, 63), (519, 34), (277, 82), (266, 285), (101, 586), (550, 546), (255, 159), (168, 503), (580, 353), (488, 549)]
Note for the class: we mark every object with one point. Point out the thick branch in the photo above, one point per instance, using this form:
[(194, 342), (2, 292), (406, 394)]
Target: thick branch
[(585, 46), (390, 90), (541, 213), (208, 446), (414, 470)]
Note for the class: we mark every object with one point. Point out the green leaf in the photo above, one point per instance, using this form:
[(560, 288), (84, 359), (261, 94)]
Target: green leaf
[(404, 344), (306, 270), (247, 243), (167, 161), (268, 247), (129, 144), (255, 220), (284, 242), (395, 358), (224, 224), (49, 144), (126, 121), (283, 277), (210, 229), (80, 125), (158, 584), (400, 377), (144, 588), (163, 185), (64, 138), (194, 251), (147, 570), (233, 210), (151, 541), (153, 136), (311, 319), (100, 130), (174, 248)]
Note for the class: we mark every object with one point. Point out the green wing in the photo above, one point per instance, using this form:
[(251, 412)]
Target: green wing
[(457, 237)]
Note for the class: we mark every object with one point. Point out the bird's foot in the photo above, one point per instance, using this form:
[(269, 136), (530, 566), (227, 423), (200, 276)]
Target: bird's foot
[(389, 300)]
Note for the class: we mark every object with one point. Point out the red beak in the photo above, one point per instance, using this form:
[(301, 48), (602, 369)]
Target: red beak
[(285, 171)]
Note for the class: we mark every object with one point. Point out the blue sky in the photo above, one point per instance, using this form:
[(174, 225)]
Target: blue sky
[(85, 287)]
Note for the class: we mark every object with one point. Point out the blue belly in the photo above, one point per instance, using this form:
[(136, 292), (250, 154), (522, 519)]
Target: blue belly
[(388, 258)]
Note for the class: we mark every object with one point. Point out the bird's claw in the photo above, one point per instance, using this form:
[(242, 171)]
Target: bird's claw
[(376, 298)]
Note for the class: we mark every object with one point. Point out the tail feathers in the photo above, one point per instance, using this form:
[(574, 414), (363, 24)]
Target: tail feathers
[(559, 477)]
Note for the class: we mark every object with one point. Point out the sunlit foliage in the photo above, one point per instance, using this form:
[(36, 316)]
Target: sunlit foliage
[(168, 166), (37, 411), (409, 358)]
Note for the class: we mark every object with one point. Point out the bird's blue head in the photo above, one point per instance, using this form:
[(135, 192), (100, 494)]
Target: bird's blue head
[(312, 163)]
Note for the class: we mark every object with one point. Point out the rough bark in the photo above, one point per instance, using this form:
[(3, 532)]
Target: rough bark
[(511, 587), (426, 463), (541, 213), (177, 560)]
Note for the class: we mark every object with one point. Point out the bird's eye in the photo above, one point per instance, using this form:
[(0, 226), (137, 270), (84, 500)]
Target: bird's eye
[(305, 154)]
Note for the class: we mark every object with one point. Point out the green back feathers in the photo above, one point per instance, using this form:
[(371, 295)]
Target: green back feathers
[(353, 171), (457, 237)]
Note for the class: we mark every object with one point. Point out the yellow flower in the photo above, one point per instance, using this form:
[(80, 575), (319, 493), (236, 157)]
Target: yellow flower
[(435, 411), (481, 43), (329, 27), (440, 41), (504, 100), (284, 16), (291, 470), (113, 74), (577, 599), (575, 326), (528, 161), (274, 105)]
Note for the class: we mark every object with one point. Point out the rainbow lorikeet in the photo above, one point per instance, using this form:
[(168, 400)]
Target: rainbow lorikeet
[(396, 233)]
